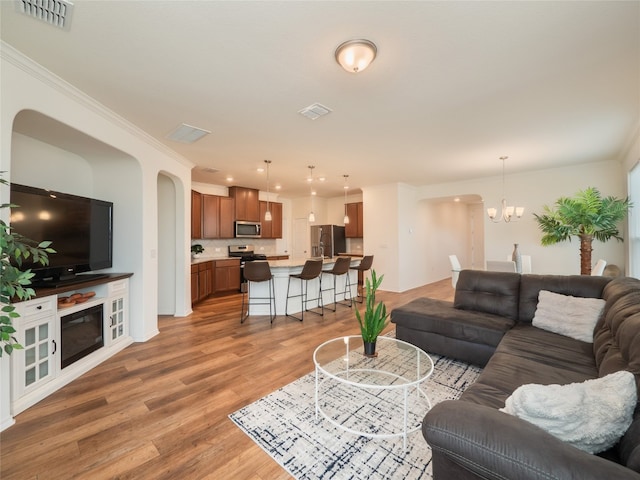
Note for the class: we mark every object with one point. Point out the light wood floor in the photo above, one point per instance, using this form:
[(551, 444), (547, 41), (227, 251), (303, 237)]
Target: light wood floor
[(158, 410)]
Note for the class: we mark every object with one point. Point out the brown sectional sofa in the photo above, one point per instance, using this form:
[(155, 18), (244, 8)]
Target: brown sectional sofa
[(489, 323)]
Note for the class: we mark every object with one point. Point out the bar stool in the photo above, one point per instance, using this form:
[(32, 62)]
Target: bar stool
[(311, 270), (341, 267), (255, 272), (365, 264)]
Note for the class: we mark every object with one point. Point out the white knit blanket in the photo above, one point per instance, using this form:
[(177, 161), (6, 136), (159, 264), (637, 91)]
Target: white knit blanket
[(591, 415)]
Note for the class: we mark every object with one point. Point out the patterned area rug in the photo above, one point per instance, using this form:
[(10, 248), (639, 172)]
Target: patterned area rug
[(284, 425)]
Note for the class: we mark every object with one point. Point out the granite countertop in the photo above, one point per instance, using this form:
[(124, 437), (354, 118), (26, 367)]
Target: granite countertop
[(195, 261), (299, 262)]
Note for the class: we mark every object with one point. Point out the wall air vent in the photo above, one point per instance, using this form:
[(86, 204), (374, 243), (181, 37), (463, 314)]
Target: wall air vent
[(53, 12), (314, 111)]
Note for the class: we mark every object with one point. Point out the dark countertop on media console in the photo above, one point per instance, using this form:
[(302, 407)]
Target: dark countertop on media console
[(109, 277)]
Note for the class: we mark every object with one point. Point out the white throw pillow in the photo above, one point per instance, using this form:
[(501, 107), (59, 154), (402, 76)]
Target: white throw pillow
[(573, 317), (591, 415)]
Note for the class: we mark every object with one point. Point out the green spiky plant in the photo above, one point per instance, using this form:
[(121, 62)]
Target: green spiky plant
[(587, 215), (375, 317), (14, 283)]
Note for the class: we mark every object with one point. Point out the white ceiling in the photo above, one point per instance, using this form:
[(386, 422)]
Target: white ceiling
[(455, 85)]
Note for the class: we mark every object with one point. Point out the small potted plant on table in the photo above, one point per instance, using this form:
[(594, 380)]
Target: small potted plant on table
[(375, 317)]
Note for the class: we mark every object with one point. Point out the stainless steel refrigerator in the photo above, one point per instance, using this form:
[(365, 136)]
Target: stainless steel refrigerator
[(327, 240)]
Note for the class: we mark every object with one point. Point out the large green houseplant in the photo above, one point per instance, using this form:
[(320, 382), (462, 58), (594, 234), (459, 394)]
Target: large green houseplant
[(375, 317), (14, 282), (587, 215)]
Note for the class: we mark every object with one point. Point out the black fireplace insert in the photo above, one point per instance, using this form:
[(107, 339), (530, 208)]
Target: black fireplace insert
[(81, 334)]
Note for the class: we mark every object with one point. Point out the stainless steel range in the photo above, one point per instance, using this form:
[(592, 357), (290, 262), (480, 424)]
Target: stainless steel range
[(246, 254)]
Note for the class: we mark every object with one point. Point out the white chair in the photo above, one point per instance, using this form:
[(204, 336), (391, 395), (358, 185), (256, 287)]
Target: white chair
[(598, 268), (501, 266), (455, 269)]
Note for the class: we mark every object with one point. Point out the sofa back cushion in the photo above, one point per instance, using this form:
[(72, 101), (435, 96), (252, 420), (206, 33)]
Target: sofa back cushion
[(488, 292), (616, 346), (575, 285)]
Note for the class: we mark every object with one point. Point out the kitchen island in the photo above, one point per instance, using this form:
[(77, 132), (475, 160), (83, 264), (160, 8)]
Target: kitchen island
[(281, 269)]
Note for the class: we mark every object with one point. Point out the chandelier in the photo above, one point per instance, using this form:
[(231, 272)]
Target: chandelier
[(507, 212)]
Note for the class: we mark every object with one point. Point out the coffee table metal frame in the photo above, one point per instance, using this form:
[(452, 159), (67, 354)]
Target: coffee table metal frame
[(391, 381)]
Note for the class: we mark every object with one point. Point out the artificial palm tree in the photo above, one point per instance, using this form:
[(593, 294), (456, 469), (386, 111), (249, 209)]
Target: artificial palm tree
[(587, 215)]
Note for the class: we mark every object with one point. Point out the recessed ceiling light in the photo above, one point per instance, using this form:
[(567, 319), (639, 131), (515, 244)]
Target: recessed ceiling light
[(229, 179), (278, 187), (184, 133)]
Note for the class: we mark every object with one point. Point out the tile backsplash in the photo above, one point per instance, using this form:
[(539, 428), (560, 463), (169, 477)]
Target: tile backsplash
[(219, 248)]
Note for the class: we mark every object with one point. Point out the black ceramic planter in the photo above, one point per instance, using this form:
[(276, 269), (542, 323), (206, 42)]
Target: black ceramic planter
[(370, 349)]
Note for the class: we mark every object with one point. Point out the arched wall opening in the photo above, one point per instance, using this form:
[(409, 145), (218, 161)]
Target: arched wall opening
[(47, 153)]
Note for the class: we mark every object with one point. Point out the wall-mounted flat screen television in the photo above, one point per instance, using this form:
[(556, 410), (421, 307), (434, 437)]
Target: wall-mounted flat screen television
[(80, 229)]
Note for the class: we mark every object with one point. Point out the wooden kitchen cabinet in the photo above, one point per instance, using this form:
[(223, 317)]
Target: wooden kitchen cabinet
[(196, 214), (194, 284), (227, 211), (272, 229), (202, 281), (354, 229), (247, 205), (217, 216), (227, 275), (210, 216)]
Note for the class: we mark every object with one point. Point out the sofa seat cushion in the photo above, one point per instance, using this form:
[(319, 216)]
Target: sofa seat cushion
[(548, 348), (439, 317), (530, 355)]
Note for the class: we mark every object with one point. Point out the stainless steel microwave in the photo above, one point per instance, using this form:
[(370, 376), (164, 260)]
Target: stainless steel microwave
[(247, 229)]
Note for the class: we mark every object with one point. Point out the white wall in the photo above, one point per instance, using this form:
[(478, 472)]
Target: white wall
[(131, 178), (632, 162), (382, 225), (167, 247)]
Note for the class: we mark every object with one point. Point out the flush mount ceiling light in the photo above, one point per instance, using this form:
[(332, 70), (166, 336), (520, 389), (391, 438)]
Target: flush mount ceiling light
[(187, 133), (356, 55), (507, 212)]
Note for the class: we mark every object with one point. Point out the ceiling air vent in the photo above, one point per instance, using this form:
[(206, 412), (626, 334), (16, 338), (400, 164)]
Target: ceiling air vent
[(53, 12), (314, 111), (187, 133)]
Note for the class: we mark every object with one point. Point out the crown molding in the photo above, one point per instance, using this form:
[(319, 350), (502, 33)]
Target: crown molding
[(37, 71)]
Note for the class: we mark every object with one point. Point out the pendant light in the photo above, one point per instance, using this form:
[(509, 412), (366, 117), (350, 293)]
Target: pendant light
[(346, 187), (507, 212), (312, 217), (267, 214)]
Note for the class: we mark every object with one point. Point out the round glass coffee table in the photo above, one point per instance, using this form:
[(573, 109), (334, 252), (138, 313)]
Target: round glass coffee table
[(376, 397)]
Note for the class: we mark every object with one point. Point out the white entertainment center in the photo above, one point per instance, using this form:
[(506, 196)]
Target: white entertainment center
[(46, 364)]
